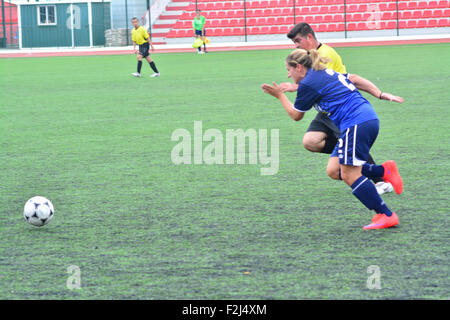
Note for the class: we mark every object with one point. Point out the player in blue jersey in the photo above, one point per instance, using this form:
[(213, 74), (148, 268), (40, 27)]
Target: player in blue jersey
[(332, 93)]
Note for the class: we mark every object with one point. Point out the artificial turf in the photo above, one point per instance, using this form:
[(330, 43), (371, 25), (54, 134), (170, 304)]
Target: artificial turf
[(97, 142)]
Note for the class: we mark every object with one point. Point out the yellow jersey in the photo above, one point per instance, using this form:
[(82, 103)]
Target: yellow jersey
[(139, 35), (336, 60)]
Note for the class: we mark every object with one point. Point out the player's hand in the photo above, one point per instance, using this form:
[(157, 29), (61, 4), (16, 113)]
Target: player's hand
[(153, 48), (136, 51), (288, 87), (391, 97), (274, 89)]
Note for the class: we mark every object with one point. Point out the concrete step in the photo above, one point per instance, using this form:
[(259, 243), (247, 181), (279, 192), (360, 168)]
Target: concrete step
[(164, 24), (171, 16), (177, 9), (166, 21), (159, 34), (178, 3), (160, 30), (158, 39)]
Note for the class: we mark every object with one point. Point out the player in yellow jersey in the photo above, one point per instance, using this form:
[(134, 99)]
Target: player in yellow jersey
[(322, 135), (140, 36)]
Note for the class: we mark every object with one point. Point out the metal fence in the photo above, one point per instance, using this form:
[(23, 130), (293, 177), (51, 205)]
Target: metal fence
[(328, 15), (9, 36), (108, 22)]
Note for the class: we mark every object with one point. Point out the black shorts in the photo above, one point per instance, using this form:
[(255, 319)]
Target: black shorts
[(200, 33), (323, 124), (144, 49)]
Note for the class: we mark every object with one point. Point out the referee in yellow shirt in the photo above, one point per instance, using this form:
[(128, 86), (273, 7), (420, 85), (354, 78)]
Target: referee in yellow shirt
[(141, 37), (322, 134)]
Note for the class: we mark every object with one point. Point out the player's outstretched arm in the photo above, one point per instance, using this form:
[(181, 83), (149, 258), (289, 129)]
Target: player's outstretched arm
[(276, 91), (367, 86), (288, 87)]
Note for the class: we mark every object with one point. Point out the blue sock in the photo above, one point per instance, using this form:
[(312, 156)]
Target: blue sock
[(372, 170), (365, 191)]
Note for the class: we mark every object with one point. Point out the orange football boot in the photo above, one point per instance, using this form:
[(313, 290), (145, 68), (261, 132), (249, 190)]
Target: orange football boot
[(392, 176), (376, 217), (383, 222)]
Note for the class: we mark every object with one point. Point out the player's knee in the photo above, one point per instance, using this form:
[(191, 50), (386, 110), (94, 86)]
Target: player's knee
[(311, 143), (333, 172)]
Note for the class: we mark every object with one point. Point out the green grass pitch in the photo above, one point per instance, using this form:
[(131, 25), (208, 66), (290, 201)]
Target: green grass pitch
[(97, 142)]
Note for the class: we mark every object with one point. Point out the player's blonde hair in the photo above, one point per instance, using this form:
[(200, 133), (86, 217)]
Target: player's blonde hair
[(308, 59)]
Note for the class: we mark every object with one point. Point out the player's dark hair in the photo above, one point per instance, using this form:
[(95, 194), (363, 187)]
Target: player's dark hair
[(302, 29), (134, 18)]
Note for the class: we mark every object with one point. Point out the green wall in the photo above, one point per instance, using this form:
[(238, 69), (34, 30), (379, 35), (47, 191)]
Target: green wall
[(101, 21), (34, 35)]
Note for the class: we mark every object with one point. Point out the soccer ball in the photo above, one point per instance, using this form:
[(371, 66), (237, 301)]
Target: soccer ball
[(38, 211)]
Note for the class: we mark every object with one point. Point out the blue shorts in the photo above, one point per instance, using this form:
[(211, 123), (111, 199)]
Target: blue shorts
[(355, 143), (200, 33)]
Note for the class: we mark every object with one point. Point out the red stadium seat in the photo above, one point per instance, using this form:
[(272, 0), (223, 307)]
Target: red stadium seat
[(411, 24), (285, 29), (405, 15), (318, 19), (227, 6), (237, 31), (182, 33), (273, 4), (280, 21), (274, 30), (432, 23), (443, 23), (224, 23), (227, 32), (322, 28), (443, 4), (264, 30), (252, 22), (351, 26), (362, 26), (388, 16), (328, 18), (236, 5), (331, 28), (308, 19), (271, 21), (277, 12), (412, 5), (422, 23), (314, 10), (422, 5), (432, 4), (287, 11), (431, 14), (391, 25)]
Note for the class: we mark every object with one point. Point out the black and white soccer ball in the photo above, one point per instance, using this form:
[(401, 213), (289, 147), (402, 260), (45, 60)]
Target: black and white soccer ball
[(38, 211)]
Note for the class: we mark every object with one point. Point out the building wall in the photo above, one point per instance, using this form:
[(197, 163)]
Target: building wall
[(60, 35), (101, 21)]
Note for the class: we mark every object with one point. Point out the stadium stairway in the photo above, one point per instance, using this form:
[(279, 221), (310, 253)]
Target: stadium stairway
[(167, 20), (225, 18)]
